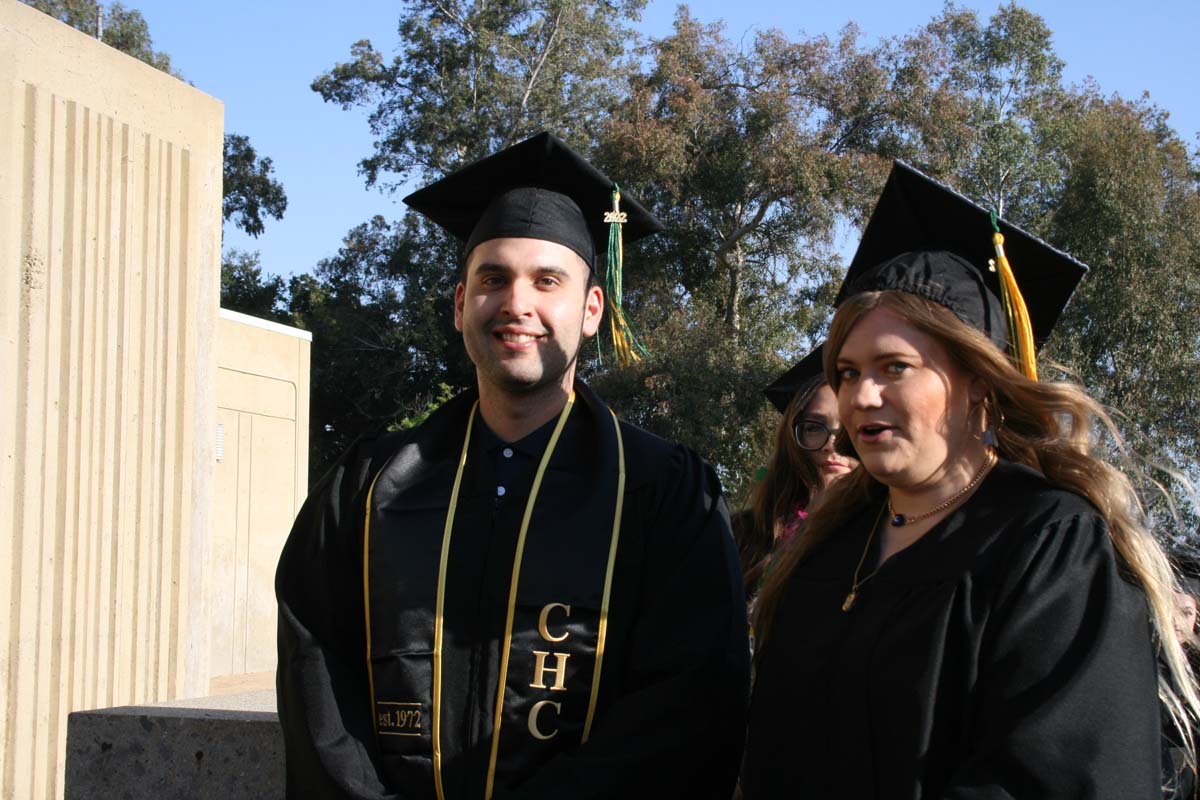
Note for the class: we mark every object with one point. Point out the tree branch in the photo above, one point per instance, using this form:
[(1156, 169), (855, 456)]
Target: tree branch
[(533, 77), (457, 20), (729, 242)]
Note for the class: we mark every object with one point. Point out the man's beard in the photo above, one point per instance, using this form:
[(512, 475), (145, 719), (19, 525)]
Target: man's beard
[(555, 362)]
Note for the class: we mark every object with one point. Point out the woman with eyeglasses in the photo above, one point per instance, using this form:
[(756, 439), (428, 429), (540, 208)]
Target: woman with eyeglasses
[(802, 465), (976, 613)]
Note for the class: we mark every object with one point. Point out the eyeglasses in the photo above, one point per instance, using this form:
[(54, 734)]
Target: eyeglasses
[(812, 435)]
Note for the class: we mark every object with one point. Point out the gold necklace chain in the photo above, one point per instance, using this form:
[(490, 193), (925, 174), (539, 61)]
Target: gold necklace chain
[(899, 520), (857, 584), (848, 603)]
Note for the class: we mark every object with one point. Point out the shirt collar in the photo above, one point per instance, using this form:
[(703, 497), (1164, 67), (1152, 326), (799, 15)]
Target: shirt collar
[(532, 445)]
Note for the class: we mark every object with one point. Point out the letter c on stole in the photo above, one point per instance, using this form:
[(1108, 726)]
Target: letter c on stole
[(534, 730), (543, 618)]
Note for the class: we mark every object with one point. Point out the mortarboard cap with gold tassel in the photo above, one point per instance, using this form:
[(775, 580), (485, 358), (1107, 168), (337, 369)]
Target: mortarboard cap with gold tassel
[(927, 239), (542, 189)]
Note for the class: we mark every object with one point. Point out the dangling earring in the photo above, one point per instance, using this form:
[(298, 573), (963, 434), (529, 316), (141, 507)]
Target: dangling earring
[(982, 432), (991, 435)]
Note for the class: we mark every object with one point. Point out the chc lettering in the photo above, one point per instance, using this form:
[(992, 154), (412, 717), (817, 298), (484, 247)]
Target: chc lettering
[(552, 666)]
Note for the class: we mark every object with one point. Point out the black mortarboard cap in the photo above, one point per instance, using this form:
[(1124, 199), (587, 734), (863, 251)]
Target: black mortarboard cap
[(927, 239), (537, 189), (784, 388)]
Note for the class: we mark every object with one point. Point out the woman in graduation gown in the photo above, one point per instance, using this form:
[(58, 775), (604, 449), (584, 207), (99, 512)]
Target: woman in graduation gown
[(974, 613), (802, 465)]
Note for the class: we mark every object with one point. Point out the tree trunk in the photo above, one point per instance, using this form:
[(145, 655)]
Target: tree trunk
[(734, 263)]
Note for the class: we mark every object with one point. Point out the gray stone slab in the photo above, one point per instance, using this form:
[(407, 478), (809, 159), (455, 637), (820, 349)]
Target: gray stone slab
[(245, 701), (193, 751)]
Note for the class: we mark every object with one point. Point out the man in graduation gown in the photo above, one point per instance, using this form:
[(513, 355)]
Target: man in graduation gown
[(523, 597)]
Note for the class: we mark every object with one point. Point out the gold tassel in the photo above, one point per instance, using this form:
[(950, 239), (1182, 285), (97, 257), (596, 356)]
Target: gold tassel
[(626, 347), (1020, 329)]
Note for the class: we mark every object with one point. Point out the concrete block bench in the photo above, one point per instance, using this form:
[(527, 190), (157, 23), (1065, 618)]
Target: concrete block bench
[(227, 747)]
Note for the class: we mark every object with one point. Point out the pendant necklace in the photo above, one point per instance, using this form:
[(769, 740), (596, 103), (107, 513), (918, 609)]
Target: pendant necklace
[(856, 583), (899, 520)]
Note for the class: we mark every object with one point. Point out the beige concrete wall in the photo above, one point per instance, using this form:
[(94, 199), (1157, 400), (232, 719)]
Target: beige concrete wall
[(110, 196), (261, 480)]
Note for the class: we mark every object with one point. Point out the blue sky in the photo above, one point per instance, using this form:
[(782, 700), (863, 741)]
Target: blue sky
[(260, 57)]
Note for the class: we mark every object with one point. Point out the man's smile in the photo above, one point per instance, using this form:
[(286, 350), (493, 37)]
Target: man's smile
[(518, 338)]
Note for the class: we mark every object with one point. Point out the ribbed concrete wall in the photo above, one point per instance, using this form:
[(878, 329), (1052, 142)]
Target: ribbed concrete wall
[(261, 480), (109, 260)]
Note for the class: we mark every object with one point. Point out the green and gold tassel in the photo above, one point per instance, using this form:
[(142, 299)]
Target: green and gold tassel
[(626, 347), (1020, 329)]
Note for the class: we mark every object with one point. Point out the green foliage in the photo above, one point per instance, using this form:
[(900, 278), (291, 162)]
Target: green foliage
[(1130, 208), (244, 288), (699, 387), (721, 144), (473, 77), (126, 30), (249, 189), (443, 392), (1007, 81), (372, 359), (752, 155), (79, 14), (712, 140)]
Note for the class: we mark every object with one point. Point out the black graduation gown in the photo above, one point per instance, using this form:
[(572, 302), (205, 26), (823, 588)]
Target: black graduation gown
[(1179, 777), (670, 711), (1003, 655)]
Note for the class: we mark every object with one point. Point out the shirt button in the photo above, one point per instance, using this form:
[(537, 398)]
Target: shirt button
[(507, 452), (500, 491)]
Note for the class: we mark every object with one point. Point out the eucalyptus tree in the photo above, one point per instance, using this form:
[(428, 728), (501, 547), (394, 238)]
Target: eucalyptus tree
[(756, 154), (1130, 208)]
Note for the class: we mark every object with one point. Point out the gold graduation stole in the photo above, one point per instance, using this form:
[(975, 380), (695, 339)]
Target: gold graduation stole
[(555, 619)]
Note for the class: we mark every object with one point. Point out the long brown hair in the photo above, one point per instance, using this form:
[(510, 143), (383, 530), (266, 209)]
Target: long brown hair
[(1047, 426), (789, 482)]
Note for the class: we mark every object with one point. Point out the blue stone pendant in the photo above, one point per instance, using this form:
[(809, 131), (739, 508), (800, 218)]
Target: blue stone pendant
[(898, 520)]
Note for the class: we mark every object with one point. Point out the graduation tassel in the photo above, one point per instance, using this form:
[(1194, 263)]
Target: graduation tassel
[(1020, 329), (626, 347)]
